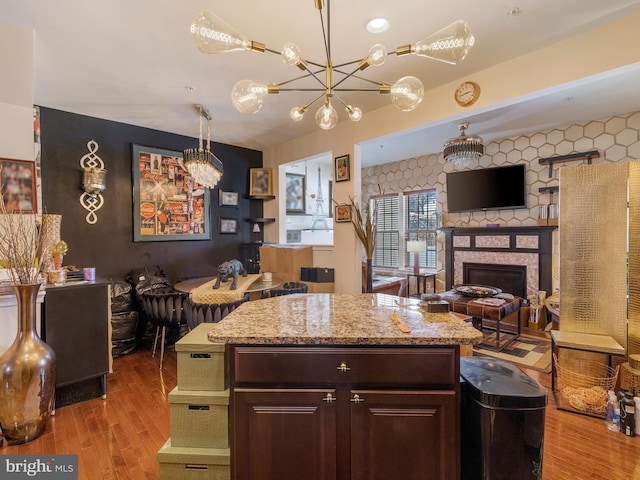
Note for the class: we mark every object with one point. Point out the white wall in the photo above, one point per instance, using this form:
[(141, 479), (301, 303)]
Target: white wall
[(16, 92)]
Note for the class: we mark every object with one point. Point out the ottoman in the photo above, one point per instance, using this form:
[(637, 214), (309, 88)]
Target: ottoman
[(491, 308)]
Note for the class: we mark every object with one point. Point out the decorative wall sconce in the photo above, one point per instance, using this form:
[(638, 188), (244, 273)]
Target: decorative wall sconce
[(93, 182)]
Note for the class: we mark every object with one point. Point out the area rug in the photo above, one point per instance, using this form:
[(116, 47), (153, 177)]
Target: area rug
[(527, 351)]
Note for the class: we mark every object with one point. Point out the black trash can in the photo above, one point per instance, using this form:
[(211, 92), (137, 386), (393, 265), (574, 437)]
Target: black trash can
[(502, 421)]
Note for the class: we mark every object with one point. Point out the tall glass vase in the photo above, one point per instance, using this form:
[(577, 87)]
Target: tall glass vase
[(27, 374)]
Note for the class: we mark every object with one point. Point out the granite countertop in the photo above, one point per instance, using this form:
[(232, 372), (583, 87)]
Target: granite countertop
[(341, 319)]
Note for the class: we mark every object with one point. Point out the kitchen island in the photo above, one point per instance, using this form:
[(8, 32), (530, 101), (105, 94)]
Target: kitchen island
[(325, 386)]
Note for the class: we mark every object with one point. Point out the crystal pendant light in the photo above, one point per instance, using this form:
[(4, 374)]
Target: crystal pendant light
[(463, 149), (202, 164)]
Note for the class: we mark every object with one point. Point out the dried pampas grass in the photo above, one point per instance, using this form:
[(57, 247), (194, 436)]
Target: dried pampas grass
[(20, 251)]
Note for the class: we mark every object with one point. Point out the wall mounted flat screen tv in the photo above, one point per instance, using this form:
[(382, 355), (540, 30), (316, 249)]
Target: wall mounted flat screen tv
[(487, 189)]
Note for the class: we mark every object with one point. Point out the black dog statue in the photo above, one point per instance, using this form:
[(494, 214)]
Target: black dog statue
[(232, 268)]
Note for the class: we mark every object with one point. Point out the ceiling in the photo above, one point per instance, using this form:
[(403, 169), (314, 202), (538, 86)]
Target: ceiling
[(135, 62)]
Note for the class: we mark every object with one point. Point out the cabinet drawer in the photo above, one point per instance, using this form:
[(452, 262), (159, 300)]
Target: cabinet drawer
[(434, 367)]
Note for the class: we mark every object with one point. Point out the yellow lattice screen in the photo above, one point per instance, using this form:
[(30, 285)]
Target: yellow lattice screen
[(593, 245), (634, 258)]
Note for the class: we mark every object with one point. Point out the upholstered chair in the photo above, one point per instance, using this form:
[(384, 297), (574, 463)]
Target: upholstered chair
[(197, 313)]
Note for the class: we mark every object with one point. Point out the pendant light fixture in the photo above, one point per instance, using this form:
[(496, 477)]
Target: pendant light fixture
[(213, 35), (464, 149), (201, 163)]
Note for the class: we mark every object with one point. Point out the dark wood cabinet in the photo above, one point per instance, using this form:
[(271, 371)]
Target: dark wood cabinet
[(284, 433), (75, 323), (403, 434), (366, 413)]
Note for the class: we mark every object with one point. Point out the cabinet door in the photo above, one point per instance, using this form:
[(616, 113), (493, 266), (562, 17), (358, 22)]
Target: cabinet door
[(284, 434), (412, 435), (76, 326)]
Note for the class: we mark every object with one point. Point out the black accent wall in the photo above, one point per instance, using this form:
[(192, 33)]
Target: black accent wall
[(108, 245)]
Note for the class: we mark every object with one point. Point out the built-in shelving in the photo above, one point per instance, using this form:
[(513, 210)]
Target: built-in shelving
[(261, 197), (259, 220)]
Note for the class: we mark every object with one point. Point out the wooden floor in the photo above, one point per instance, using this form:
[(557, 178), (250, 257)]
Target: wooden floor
[(118, 438)]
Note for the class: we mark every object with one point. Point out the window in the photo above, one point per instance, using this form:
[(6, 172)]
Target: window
[(387, 240), (421, 224), (416, 220)]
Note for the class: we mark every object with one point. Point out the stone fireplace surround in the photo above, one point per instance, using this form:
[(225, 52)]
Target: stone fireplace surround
[(528, 247)]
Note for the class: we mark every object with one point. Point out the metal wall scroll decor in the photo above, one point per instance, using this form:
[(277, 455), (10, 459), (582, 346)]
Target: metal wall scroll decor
[(93, 182)]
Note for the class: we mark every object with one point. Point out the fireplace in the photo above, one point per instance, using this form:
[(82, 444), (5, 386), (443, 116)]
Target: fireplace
[(508, 278), (514, 259)]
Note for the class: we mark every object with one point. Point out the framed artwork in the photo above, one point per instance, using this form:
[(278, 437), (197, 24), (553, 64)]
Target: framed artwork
[(228, 225), (168, 204), (18, 183), (295, 193), (226, 199), (260, 182), (343, 213), (342, 168)]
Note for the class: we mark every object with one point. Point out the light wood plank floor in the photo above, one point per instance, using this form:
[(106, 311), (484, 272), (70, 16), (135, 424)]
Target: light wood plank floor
[(118, 438)]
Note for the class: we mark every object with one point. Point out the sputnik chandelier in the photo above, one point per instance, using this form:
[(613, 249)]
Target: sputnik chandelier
[(213, 35)]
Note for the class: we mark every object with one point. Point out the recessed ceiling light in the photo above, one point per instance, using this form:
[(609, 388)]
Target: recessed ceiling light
[(378, 25), (514, 12)]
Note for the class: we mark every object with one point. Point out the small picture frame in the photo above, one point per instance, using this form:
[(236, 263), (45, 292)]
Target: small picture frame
[(18, 185), (260, 182), (342, 168), (295, 185), (343, 213), (228, 225), (227, 199)]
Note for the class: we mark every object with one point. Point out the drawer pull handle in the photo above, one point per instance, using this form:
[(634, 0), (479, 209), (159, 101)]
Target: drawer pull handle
[(356, 399), (329, 398), (343, 367)]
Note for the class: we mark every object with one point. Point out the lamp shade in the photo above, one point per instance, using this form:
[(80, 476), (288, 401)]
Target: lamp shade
[(416, 246)]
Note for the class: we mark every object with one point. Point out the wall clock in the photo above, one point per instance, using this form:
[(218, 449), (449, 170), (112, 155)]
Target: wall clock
[(467, 93)]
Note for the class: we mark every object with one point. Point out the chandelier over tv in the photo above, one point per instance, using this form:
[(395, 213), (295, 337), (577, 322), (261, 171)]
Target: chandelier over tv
[(463, 149), (213, 35)]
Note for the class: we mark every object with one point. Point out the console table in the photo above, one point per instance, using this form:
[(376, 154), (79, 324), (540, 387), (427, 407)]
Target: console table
[(586, 342), (76, 323)]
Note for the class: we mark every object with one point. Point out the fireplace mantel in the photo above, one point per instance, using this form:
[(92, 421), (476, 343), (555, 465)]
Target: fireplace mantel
[(514, 241)]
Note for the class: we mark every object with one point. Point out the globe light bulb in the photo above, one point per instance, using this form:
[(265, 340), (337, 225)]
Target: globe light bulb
[(407, 93), (326, 116), (377, 55), (214, 35), (450, 45), (355, 114), (297, 113), (247, 96), (290, 54)]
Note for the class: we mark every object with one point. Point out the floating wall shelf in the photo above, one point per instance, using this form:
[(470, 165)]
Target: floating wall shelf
[(569, 158)]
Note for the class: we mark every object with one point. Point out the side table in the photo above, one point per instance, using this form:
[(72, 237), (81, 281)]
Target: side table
[(421, 283), (586, 342)]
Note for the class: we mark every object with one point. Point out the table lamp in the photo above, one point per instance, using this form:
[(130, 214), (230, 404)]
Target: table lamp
[(416, 246)]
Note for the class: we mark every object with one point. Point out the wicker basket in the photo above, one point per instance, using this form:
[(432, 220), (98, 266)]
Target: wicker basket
[(582, 385)]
